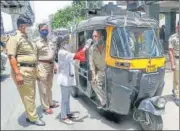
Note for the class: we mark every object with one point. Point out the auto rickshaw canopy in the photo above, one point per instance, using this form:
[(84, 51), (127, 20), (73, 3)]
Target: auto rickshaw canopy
[(126, 19)]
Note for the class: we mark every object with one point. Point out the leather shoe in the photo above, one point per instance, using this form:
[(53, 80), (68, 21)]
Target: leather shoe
[(38, 122), (176, 101)]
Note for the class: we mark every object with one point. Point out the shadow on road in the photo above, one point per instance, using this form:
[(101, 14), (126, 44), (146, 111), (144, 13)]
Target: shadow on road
[(22, 118), (111, 119), (4, 77)]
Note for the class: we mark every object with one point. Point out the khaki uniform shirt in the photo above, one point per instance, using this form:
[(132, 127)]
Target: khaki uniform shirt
[(19, 46), (97, 59), (174, 43), (46, 51)]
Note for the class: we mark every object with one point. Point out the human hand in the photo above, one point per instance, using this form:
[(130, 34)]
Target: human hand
[(93, 82), (55, 69), (19, 79)]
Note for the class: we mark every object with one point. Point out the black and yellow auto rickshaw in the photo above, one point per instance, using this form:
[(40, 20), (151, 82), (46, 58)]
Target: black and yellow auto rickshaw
[(135, 67)]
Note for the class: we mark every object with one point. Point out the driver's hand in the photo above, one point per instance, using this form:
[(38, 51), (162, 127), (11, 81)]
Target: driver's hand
[(93, 82)]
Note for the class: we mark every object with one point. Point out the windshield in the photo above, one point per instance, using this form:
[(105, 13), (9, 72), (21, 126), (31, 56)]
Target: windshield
[(133, 42)]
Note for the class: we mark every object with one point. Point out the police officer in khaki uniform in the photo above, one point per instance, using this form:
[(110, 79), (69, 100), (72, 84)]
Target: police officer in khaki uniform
[(97, 65), (22, 56), (174, 59), (46, 68)]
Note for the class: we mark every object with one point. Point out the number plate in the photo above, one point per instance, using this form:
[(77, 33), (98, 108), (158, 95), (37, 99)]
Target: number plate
[(150, 69)]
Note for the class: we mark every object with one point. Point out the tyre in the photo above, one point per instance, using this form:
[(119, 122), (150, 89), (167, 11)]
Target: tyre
[(155, 122), (74, 92)]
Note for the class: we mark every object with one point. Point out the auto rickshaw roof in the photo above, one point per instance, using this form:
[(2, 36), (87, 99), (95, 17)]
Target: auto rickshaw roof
[(129, 19)]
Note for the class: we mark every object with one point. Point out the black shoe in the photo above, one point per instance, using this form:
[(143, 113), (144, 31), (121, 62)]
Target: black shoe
[(72, 116), (176, 101), (38, 122)]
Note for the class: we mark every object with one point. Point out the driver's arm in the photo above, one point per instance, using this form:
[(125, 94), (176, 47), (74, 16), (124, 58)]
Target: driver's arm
[(92, 65)]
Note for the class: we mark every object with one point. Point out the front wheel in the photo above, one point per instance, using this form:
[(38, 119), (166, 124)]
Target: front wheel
[(75, 92), (152, 122)]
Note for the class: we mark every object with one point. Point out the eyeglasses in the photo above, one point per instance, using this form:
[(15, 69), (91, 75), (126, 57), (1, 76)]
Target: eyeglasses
[(95, 36)]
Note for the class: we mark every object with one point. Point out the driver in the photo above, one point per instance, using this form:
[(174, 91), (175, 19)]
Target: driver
[(97, 66)]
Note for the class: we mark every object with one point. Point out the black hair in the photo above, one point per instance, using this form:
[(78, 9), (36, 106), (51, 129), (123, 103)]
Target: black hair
[(41, 25), (23, 20), (99, 31)]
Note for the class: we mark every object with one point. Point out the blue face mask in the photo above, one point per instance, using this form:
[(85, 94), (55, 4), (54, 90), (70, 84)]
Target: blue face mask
[(43, 33)]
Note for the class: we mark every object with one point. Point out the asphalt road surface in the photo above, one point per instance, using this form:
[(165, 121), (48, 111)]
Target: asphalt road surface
[(13, 117)]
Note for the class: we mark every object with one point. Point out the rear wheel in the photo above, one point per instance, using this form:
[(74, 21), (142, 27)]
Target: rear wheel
[(152, 122), (75, 91)]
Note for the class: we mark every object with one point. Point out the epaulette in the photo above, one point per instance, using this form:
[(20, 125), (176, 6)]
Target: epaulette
[(14, 34)]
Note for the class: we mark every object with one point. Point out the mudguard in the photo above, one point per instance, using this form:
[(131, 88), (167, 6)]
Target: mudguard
[(148, 106)]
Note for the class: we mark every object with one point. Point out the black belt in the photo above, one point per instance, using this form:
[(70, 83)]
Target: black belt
[(177, 57), (45, 61), (27, 65)]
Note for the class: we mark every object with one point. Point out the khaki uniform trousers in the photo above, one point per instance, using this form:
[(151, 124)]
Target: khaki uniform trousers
[(45, 81), (27, 91), (100, 80), (176, 79)]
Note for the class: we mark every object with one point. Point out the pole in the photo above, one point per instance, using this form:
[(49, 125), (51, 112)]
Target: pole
[(86, 9)]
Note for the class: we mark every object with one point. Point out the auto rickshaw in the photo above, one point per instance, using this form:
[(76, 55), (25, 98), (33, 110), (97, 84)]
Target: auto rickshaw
[(135, 67)]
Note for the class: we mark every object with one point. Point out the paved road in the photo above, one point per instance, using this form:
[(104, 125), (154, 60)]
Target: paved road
[(12, 112)]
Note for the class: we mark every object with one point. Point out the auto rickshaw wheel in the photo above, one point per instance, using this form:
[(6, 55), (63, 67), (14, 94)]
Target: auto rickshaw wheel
[(152, 122), (75, 91)]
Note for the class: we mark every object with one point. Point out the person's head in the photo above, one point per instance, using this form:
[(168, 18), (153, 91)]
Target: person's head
[(98, 39), (23, 23), (43, 29), (177, 27), (61, 41), (96, 35)]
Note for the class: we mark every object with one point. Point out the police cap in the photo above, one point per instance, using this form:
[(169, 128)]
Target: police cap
[(24, 20)]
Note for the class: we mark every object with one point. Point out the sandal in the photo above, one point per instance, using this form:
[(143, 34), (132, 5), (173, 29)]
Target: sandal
[(67, 121), (48, 111), (54, 105)]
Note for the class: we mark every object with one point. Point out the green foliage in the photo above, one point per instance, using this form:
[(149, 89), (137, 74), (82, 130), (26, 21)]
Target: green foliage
[(69, 15), (73, 14)]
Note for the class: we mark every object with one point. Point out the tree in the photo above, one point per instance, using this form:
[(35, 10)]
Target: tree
[(69, 15), (73, 14)]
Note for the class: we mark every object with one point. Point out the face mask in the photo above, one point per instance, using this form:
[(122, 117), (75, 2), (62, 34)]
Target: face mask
[(99, 42), (43, 33)]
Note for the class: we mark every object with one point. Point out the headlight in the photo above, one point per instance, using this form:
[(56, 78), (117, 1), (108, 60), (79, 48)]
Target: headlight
[(161, 102)]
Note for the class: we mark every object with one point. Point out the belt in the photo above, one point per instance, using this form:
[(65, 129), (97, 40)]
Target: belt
[(27, 65), (46, 61), (177, 57)]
